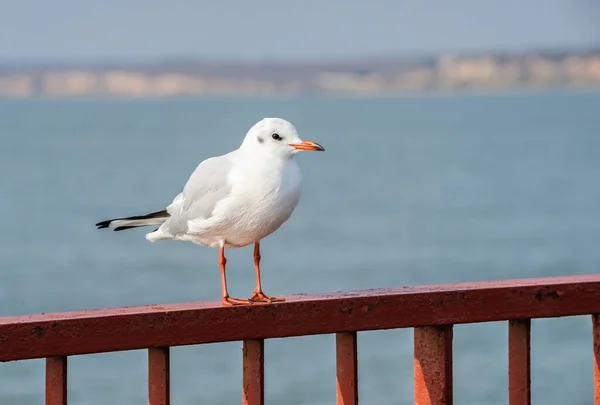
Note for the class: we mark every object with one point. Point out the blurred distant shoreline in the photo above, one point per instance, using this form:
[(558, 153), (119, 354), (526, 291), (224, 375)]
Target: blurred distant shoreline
[(482, 72)]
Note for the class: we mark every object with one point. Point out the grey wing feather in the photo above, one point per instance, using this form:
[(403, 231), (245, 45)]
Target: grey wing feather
[(207, 185)]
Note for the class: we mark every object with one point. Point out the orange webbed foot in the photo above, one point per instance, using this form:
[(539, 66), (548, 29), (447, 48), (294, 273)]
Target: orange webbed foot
[(262, 297), (228, 301)]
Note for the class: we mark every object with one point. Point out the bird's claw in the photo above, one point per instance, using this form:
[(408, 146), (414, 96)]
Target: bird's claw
[(262, 297), (228, 301), (258, 297)]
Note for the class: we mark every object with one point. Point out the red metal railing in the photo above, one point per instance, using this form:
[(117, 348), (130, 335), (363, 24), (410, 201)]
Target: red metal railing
[(430, 310)]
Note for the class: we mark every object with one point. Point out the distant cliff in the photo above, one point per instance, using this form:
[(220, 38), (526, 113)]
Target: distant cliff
[(481, 72)]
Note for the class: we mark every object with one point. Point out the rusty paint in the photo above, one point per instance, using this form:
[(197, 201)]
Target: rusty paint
[(159, 376), (38, 332), (253, 392), (433, 365), (56, 381), (134, 328), (596, 346), (547, 293), (347, 368), (519, 362)]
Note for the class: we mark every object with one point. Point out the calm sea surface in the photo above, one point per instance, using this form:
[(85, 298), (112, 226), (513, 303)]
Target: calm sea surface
[(410, 191)]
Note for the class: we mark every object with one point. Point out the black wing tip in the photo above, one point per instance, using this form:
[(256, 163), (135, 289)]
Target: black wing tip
[(157, 214), (103, 224), (106, 224), (122, 228)]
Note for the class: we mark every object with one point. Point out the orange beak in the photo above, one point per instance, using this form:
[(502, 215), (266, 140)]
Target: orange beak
[(307, 145)]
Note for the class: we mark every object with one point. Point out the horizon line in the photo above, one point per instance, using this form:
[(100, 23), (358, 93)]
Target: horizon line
[(308, 60)]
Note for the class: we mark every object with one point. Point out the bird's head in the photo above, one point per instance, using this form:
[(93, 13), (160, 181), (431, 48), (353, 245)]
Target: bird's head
[(277, 136)]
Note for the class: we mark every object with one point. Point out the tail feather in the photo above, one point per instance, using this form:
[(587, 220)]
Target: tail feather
[(120, 224)]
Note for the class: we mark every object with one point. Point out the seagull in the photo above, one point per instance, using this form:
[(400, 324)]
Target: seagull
[(234, 200)]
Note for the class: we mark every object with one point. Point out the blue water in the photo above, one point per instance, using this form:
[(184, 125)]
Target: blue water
[(414, 190)]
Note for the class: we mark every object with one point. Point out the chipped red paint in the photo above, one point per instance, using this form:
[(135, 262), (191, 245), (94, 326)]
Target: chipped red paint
[(519, 362), (433, 365), (159, 375), (253, 359), (56, 381), (82, 332), (347, 368)]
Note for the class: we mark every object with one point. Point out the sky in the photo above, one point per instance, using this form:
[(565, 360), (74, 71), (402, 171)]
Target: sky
[(141, 30)]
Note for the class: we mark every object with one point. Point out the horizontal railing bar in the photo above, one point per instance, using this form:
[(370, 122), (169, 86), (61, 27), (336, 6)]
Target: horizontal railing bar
[(97, 331)]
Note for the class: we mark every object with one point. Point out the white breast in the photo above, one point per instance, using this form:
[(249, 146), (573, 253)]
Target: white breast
[(264, 195)]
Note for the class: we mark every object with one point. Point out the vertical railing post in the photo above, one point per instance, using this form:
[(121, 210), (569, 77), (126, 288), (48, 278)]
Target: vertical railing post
[(596, 348), (253, 391), (433, 365), (519, 362), (347, 368), (159, 370), (56, 380)]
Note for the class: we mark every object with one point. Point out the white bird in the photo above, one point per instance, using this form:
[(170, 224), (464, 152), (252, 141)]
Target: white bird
[(236, 199)]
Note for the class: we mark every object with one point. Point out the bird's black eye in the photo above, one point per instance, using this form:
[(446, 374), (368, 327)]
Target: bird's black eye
[(276, 137)]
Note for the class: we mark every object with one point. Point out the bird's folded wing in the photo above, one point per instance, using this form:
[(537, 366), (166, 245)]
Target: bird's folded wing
[(207, 185)]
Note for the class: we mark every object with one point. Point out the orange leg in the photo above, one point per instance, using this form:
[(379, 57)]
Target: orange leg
[(259, 296), (227, 300)]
